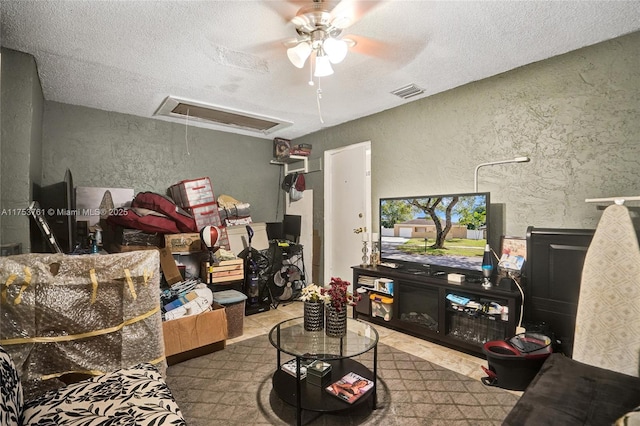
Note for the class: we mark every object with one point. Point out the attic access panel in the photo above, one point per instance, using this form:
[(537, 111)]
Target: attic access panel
[(210, 114)]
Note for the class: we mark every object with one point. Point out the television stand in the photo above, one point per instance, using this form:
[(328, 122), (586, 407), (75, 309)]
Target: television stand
[(420, 307)]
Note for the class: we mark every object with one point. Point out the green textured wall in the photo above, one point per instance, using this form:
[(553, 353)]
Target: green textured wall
[(21, 144), (577, 116), (105, 149)]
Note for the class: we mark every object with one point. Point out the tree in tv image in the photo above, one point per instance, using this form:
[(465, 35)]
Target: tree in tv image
[(447, 230)]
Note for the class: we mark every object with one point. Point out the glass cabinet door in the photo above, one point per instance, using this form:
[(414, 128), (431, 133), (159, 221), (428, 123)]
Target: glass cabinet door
[(475, 320), (418, 305)]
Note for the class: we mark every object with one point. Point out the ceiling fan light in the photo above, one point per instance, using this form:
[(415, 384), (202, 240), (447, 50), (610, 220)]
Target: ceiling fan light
[(336, 49), (298, 54), (323, 67)]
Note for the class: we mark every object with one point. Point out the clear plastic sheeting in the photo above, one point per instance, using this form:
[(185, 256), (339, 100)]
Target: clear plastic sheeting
[(84, 315)]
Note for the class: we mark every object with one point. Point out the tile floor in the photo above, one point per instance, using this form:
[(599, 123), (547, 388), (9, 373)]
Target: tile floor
[(469, 365)]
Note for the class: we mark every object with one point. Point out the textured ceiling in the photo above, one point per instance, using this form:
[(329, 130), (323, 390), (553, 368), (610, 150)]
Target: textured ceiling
[(128, 56)]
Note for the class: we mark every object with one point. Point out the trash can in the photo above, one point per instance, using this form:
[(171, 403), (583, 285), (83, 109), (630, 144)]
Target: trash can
[(233, 302), (514, 362)]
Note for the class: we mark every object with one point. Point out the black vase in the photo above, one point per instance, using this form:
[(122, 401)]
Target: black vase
[(336, 321), (313, 316)]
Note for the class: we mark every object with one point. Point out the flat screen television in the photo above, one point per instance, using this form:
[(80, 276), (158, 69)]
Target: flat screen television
[(435, 233)]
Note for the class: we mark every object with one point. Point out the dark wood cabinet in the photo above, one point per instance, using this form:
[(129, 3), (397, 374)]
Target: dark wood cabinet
[(555, 258), (419, 304)]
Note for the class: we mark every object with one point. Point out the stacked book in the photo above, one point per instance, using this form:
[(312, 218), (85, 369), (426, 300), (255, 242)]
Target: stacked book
[(367, 281), (303, 149), (290, 367)]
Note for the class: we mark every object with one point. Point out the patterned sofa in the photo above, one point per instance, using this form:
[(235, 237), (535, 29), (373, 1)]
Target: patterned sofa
[(132, 396)]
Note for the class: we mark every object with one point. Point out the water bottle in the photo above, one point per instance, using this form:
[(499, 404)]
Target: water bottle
[(94, 244)]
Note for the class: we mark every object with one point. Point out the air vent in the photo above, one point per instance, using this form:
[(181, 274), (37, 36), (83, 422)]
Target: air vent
[(408, 91), (202, 113)]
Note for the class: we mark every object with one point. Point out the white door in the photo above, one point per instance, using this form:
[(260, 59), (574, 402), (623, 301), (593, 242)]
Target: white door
[(347, 207)]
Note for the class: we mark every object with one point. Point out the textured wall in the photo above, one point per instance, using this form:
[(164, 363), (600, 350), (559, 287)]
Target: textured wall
[(577, 116), (105, 149), (21, 143)]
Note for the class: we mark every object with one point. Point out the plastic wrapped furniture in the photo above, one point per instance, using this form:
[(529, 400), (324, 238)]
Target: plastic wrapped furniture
[(86, 315), (136, 395)]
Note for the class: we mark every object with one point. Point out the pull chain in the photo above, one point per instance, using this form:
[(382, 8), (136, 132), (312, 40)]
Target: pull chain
[(318, 97)]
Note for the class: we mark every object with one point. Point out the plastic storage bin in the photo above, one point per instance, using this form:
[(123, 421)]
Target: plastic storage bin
[(381, 306), (191, 193), (233, 302), (514, 362)]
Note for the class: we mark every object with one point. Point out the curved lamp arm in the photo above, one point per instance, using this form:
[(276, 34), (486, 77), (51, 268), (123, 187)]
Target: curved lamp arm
[(493, 163)]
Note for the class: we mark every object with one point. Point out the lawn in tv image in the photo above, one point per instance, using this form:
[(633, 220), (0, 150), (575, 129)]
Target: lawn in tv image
[(448, 231)]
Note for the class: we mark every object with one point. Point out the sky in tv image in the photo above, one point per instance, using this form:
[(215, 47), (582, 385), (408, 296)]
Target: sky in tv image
[(441, 230)]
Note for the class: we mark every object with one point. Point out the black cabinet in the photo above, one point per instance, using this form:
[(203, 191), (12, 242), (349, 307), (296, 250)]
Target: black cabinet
[(555, 258), (432, 308)]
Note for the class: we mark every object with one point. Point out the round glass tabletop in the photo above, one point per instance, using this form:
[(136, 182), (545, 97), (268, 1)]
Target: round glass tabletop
[(290, 337)]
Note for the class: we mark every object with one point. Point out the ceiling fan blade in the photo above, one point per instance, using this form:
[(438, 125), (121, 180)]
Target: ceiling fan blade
[(266, 47), (348, 12), (286, 9), (291, 42), (372, 47)]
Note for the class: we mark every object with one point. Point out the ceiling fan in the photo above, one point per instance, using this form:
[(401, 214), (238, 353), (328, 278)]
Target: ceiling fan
[(319, 26)]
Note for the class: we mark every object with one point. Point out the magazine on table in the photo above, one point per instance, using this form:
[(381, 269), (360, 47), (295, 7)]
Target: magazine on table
[(290, 367), (350, 387)]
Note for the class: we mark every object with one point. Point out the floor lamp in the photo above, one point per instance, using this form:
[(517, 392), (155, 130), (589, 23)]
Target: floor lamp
[(487, 283), (493, 163)]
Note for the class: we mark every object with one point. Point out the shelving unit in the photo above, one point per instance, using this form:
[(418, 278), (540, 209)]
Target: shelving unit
[(293, 159), (420, 307)]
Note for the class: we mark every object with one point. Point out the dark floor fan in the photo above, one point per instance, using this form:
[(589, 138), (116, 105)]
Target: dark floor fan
[(287, 279)]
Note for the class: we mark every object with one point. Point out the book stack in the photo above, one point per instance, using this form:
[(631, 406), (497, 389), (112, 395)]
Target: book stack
[(290, 367), (303, 149), (367, 281)]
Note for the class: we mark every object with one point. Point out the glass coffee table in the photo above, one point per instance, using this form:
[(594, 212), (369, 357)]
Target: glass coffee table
[(290, 337)]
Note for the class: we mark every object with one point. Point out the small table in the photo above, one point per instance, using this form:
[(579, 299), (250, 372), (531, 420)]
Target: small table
[(291, 338)]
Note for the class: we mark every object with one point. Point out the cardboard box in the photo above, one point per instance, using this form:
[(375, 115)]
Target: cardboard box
[(239, 240), (188, 333), (169, 268), (225, 271), (183, 243), (384, 285), (117, 248)]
